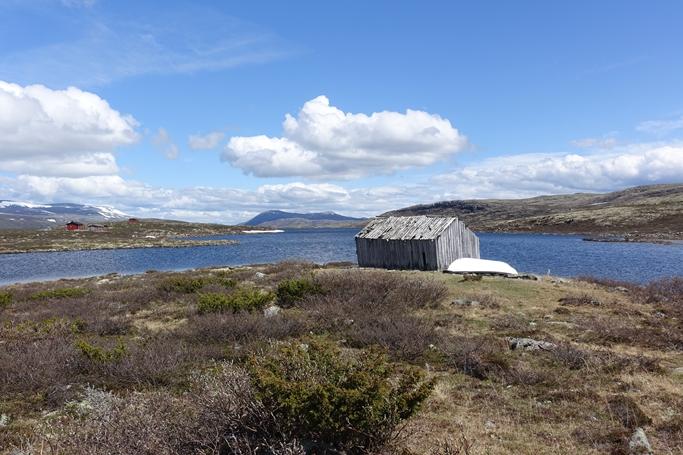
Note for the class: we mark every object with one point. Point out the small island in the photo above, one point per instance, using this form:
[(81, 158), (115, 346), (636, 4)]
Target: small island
[(141, 233)]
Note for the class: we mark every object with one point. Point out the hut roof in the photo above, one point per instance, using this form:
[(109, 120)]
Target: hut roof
[(406, 227)]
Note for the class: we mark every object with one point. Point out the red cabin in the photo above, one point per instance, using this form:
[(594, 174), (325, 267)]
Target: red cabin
[(74, 226)]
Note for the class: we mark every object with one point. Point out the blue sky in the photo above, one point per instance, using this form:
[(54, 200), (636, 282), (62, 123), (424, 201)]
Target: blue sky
[(178, 109)]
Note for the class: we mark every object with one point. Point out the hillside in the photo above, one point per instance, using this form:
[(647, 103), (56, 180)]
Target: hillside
[(27, 215), (282, 219), (639, 213)]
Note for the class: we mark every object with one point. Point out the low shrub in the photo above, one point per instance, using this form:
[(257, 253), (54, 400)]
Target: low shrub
[(627, 411), (5, 299), (404, 336), (289, 292), (580, 300), (158, 360), (217, 415), (482, 357), (244, 299), (32, 365), (182, 284), (334, 398), (100, 354), (241, 328), (375, 290), (59, 293)]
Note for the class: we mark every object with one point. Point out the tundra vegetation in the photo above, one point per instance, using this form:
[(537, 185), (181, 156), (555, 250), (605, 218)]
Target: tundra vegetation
[(295, 358)]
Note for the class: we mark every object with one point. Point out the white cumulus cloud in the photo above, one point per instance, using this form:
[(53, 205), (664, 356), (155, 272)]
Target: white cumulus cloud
[(69, 132), (324, 141)]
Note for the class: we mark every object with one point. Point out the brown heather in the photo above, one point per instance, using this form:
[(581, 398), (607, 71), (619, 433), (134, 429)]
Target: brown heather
[(122, 365)]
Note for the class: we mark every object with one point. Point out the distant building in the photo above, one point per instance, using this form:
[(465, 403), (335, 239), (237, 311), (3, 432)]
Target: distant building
[(415, 242), (97, 227), (133, 220), (74, 226)]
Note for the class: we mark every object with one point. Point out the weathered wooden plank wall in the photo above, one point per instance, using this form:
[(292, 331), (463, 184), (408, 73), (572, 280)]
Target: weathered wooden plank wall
[(455, 241)]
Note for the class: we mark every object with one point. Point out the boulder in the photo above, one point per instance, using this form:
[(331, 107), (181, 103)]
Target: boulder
[(529, 344), (638, 444), (465, 302), (271, 311)]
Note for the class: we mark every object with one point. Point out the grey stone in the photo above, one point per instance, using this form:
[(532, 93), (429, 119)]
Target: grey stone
[(259, 275), (529, 344), (527, 276), (271, 311), (466, 302), (4, 420), (638, 444), (677, 371)]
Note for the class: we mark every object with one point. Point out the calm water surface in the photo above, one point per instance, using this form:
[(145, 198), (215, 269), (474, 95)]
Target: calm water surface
[(562, 255)]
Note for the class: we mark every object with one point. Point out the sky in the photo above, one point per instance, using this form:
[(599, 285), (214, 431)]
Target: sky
[(216, 111)]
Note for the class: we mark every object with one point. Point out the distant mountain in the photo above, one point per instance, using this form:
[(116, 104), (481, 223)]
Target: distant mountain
[(653, 211), (27, 215), (281, 219)]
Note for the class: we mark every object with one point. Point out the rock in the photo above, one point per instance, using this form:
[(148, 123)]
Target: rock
[(471, 277), (529, 344), (259, 275), (638, 444), (677, 371), (622, 289), (527, 276), (466, 302), (4, 420), (271, 311)]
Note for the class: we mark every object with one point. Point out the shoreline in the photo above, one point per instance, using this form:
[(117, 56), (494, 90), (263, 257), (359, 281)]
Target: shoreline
[(655, 238), (69, 248)]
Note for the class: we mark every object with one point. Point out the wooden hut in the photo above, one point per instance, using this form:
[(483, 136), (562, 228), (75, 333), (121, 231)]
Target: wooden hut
[(97, 227), (74, 226), (415, 242)]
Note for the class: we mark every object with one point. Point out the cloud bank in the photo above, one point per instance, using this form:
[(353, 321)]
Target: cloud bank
[(535, 174), (322, 141), (60, 132)]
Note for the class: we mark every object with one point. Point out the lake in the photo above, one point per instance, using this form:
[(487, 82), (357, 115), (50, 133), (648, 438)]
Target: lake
[(561, 255)]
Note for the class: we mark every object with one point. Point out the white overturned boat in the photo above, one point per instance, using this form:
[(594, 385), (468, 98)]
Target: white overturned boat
[(483, 266), (263, 231)]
